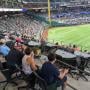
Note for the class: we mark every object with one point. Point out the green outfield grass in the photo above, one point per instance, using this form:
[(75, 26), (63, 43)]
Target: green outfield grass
[(79, 35)]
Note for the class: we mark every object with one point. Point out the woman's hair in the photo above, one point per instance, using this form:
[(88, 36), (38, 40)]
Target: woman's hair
[(51, 57), (28, 51)]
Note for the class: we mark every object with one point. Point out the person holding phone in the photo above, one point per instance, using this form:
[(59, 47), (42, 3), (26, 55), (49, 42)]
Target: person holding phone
[(51, 74)]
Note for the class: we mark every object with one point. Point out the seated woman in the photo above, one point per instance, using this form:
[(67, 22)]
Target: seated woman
[(51, 74), (29, 65)]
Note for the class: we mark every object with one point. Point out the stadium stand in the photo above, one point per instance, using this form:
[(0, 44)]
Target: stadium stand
[(31, 55), (69, 15), (21, 24)]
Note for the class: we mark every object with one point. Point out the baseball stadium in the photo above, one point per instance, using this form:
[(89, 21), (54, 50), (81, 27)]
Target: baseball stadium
[(44, 44)]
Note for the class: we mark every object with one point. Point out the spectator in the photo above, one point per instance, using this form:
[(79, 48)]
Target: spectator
[(29, 65), (51, 74), (75, 48), (14, 57), (4, 49)]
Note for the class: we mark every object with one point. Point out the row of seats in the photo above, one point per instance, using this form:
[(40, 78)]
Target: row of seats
[(21, 25), (68, 18)]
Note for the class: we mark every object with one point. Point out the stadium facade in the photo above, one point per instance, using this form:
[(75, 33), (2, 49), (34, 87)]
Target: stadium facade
[(41, 3)]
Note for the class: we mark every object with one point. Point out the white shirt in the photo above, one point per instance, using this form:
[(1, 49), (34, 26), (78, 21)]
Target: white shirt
[(25, 66)]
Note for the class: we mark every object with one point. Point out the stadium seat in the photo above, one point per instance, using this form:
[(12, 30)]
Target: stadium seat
[(9, 79), (52, 87)]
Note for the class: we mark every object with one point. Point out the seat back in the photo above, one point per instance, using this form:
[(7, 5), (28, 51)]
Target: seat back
[(52, 87), (6, 74), (1, 66), (23, 76), (42, 85), (5, 71)]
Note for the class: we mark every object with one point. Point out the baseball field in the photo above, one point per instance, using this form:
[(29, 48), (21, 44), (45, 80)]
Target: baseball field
[(79, 35)]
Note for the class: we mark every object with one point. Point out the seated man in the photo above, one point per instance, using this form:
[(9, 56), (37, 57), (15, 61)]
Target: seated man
[(14, 57), (51, 74)]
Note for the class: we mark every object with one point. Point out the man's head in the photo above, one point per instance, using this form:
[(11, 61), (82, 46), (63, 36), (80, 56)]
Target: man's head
[(51, 57), (28, 51)]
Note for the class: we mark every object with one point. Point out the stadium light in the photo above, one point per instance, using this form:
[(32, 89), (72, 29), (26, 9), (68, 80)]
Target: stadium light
[(49, 12)]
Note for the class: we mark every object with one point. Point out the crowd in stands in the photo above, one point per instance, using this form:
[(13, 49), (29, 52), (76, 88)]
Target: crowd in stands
[(21, 25), (24, 58), (22, 55), (51, 0), (18, 54), (69, 15), (69, 19)]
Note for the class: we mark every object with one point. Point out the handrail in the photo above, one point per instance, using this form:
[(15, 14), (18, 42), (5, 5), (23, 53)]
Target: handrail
[(87, 73)]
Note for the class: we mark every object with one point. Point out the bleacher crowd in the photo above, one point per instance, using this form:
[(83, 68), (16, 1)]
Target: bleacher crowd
[(21, 25), (19, 55), (15, 30)]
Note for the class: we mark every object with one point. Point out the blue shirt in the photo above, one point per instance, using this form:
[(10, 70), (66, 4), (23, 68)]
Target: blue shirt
[(4, 50), (49, 73)]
